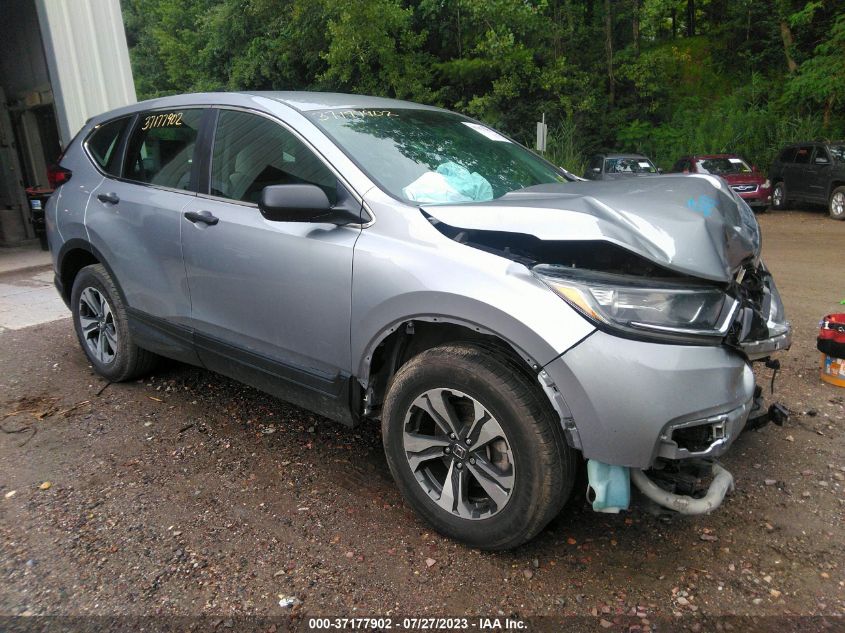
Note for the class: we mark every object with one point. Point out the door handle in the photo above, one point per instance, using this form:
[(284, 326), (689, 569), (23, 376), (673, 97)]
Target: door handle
[(201, 216), (111, 198)]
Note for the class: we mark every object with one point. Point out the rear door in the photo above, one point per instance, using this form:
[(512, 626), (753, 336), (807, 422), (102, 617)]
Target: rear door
[(270, 301), (134, 221)]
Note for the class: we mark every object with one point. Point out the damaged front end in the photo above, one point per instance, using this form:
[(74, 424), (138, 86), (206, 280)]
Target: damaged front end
[(674, 260)]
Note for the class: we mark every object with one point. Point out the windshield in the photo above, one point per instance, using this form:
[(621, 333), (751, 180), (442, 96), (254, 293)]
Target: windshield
[(432, 156), (723, 166), (838, 152), (629, 166)]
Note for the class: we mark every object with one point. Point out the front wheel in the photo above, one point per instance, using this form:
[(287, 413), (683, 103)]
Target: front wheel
[(474, 447), (779, 196), (837, 204)]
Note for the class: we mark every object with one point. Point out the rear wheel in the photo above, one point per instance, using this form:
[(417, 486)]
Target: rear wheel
[(779, 196), (837, 204), (100, 321), (474, 447)]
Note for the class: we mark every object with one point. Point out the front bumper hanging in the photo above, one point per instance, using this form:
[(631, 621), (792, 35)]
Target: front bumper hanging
[(722, 483)]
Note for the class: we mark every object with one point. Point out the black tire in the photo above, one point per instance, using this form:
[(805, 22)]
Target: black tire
[(127, 360), (779, 199), (836, 204), (543, 465)]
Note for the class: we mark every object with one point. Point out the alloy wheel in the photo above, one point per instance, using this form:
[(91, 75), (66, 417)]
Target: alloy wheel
[(777, 196), (837, 204), (96, 321), (459, 453)]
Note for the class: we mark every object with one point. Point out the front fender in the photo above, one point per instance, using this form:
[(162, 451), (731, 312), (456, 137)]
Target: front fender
[(495, 323), (423, 275)]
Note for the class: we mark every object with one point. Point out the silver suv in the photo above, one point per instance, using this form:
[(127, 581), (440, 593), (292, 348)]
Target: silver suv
[(373, 259)]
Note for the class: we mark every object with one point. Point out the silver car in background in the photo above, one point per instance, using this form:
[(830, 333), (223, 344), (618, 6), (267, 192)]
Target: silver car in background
[(373, 259)]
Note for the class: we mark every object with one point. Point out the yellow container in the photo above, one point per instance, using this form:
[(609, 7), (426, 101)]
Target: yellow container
[(832, 370)]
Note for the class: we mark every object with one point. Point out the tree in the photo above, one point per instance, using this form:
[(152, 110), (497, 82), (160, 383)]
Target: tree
[(665, 76), (820, 81), (373, 49), (608, 47)]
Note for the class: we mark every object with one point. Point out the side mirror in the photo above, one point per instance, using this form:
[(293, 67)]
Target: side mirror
[(304, 203)]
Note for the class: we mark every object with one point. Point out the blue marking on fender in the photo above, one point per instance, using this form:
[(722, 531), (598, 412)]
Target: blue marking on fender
[(703, 204)]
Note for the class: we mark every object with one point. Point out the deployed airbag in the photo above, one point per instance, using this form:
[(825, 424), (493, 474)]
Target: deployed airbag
[(451, 182)]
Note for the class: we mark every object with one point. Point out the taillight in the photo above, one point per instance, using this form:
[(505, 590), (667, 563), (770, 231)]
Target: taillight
[(57, 176)]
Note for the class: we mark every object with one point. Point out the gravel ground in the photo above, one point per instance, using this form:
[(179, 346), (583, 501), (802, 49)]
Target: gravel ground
[(188, 494)]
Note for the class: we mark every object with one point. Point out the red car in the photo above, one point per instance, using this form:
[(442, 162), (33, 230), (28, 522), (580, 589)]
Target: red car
[(750, 184)]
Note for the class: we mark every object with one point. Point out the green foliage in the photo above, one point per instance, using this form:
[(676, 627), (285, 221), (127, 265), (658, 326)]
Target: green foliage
[(730, 75), (373, 50), (821, 79), (738, 122), (564, 147)]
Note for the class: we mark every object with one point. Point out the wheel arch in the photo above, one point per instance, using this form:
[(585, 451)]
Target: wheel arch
[(74, 255), (834, 185), (405, 338)]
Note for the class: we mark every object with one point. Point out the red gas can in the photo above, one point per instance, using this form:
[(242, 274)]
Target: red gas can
[(831, 343)]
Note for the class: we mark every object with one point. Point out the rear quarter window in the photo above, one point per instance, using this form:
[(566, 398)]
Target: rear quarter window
[(104, 142)]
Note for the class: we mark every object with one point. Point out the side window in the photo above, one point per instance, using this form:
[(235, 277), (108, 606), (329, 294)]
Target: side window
[(820, 156), (252, 152), (802, 156), (161, 148), (103, 144), (787, 155)]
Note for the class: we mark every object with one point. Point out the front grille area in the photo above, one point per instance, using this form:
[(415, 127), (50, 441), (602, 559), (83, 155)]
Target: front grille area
[(744, 188)]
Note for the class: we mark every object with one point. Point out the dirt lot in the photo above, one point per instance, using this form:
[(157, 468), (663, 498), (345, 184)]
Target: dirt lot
[(188, 494)]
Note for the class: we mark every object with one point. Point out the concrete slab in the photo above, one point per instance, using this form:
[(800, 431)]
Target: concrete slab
[(28, 298), (22, 258)]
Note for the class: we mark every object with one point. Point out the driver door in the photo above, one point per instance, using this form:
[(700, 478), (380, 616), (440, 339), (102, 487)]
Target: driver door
[(270, 301)]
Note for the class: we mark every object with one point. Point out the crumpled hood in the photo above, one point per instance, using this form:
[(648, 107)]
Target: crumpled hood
[(690, 224)]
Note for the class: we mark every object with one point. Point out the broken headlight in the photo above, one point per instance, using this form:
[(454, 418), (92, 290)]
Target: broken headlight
[(643, 306)]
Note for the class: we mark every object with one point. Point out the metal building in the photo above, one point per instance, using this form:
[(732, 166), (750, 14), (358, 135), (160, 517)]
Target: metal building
[(61, 62)]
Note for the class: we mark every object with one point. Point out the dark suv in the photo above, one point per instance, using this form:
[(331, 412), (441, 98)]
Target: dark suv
[(810, 172)]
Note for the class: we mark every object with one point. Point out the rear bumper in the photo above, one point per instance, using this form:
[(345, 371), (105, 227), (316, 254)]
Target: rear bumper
[(627, 398)]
